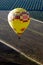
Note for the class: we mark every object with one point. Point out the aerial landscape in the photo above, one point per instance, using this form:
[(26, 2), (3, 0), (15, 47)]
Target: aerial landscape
[(28, 50)]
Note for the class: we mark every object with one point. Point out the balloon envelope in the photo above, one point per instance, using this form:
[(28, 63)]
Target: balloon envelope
[(19, 20)]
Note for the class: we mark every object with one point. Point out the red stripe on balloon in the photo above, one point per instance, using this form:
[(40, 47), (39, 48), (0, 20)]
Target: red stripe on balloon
[(17, 17), (22, 29)]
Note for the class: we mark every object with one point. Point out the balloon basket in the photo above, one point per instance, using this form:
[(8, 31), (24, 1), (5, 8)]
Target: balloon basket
[(19, 37)]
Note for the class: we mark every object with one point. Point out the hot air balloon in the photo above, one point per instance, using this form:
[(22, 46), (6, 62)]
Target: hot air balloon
[(19, 20)]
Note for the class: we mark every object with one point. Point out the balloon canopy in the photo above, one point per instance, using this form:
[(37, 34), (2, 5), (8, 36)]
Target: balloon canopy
[(19, 20)]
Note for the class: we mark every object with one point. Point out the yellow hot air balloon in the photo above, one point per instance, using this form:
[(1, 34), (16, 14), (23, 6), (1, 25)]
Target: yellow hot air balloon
[(19, 20)]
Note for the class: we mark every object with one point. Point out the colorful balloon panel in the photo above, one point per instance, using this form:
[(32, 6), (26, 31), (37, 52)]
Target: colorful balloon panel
[(19, 20)]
